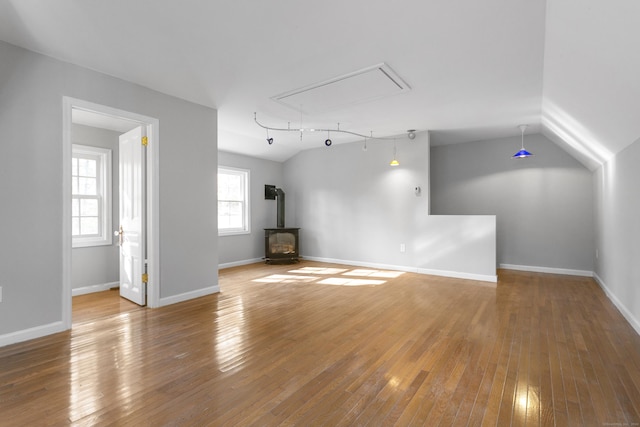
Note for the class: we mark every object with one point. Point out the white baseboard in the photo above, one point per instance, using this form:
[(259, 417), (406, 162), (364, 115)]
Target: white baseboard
[(52, 328), (238, 263), (460, 275), (188, 295), (552, 270), (360, 264), (31, 333), (442, 273), (635, 324), (94, 288)]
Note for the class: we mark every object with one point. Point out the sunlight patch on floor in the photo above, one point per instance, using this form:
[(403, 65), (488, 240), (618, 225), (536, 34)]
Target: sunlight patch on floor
[(312, 274), (285, 278), (319, 270), (374, 273), (340, 281)]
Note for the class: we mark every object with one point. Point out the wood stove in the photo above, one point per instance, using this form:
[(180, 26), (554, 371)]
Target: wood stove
[(281, 245)]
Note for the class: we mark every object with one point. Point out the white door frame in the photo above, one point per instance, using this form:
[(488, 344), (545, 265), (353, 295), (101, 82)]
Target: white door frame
[(153, 205)]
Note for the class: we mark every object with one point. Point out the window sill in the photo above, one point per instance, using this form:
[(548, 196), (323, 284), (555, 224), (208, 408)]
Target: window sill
[(88, 243), (233, 233)]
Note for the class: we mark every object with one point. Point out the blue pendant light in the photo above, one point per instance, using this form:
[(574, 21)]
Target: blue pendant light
[(522, 154)]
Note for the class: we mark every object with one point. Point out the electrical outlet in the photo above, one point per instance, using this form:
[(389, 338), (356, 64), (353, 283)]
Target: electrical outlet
[(403, 248), (0, 293)]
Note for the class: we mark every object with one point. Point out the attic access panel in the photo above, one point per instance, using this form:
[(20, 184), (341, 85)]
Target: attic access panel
[(368, 84)]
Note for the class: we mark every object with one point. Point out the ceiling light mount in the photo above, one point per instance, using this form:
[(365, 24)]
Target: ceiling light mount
[(411, 134)]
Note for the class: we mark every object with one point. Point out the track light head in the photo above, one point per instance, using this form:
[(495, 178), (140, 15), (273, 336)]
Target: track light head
[(411, 133), (270, 141), (328, 142)]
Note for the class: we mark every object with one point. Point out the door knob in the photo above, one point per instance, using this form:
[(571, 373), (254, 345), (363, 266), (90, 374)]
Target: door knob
[(119, 233)]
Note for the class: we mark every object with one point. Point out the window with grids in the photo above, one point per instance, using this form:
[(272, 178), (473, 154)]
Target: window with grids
[(90, 196), (233, 201)]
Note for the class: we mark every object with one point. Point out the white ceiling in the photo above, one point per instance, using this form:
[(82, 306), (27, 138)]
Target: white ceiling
[(476, 69)]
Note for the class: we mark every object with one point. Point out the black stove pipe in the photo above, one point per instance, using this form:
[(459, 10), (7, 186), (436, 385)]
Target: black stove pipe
[(280, 208)]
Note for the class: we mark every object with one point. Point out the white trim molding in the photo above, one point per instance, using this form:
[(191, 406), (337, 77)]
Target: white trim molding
[(245, 175), (459, 275), (32, 333), (189, 295), (635, 323), (94, 288), (239, 263), (103, 195), (361, 264), (441, 273), (551, 270), (152, 126)]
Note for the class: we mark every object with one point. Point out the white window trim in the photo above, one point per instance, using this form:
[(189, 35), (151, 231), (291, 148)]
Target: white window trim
[(247, 209), (104, 154)]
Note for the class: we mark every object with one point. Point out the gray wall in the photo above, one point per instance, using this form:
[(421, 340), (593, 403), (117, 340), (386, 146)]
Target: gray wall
[(98, 265), (544, 204), (617, 265), (352, 206), (31, 90), (238, 249)]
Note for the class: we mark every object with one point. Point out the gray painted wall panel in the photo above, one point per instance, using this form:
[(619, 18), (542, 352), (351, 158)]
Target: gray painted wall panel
[(237, 248), (618, 230), (31, 91), (544, 204), (351, 205)]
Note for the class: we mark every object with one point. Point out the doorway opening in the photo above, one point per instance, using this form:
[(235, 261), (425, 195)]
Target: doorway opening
[(83, 115)]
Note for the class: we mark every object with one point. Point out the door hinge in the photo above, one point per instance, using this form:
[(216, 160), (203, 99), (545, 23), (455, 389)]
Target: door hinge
[(145, 278), (145, 141)]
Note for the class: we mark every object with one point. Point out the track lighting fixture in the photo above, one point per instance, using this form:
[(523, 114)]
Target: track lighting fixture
[(410, 133)]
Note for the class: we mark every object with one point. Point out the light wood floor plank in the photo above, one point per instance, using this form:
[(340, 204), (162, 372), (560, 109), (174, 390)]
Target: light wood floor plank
[(279, 347)]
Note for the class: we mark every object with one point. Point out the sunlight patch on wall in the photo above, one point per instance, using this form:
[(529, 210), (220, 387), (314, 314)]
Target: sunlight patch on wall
[(573, 133)]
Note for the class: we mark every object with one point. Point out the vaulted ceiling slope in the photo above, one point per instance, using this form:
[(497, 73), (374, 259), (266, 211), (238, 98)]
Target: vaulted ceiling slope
[(475, 70), (591, 90)]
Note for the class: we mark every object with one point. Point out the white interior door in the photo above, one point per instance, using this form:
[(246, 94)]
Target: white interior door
[(132, 236)]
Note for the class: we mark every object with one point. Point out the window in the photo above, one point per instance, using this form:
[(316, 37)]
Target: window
[(90, 196), (233, 201)]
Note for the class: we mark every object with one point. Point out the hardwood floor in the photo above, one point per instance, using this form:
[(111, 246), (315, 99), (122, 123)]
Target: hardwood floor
[(331, 345)]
